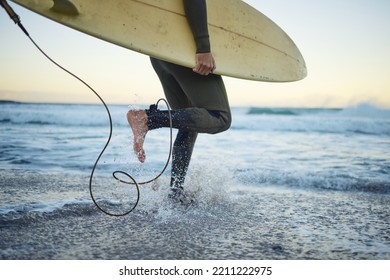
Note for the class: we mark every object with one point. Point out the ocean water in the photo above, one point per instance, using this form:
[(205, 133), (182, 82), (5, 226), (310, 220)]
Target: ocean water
[(282, 183)]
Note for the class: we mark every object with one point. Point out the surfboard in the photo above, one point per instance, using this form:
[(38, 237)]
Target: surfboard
[(245, 43)]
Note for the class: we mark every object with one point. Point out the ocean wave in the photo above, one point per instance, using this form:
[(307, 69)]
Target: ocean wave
[(40, 207), (5, 120), (360, 110), (298, 119), (28, 212), (291, 111), (272, 111), (42, 121), (71, 115), (9, 102), (362, 119), (366, 110), (340, 182)]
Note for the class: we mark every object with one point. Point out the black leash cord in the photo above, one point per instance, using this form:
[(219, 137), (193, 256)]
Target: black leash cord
[(131, 181)]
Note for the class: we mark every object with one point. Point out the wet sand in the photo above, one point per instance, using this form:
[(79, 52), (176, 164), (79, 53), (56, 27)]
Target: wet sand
[(238, 222)]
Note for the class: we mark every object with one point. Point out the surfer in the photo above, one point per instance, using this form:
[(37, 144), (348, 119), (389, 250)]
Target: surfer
[(197, 97)]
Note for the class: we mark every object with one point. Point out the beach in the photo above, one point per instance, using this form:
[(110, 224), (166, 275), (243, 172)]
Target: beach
[(280, 185)]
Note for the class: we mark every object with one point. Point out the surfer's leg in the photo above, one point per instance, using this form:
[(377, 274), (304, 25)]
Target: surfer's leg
[(181, 156), (196, 120), (190, 119), (199, 103)]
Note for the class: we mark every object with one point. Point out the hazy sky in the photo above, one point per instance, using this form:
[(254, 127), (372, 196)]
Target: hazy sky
[(345, 43)]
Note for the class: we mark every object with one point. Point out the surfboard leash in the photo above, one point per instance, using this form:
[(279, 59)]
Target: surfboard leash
[(115, 174), (13, 15)]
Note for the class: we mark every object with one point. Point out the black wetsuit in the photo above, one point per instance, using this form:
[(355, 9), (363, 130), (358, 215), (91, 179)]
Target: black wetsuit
[(199, 103)]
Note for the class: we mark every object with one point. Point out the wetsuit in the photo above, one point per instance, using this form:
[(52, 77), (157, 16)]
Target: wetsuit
[(199, 103)]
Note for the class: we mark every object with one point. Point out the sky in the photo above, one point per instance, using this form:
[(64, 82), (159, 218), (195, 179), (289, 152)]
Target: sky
[(345, 44)]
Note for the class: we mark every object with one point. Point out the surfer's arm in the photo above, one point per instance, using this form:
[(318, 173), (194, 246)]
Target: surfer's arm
[(196, 12)]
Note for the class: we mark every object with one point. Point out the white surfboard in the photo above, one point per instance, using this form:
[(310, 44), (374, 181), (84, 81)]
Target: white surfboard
[(245, 43)]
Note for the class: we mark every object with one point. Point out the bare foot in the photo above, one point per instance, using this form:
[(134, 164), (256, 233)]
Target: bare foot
[(138, 121)]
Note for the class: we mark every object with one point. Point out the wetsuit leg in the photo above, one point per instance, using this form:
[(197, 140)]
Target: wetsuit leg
[(191, 119), (181, 156), (199, 102)]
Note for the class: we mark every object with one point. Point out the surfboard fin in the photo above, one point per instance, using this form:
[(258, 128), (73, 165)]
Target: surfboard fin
[(64, 7)]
